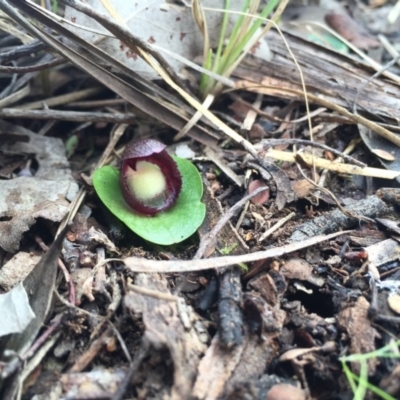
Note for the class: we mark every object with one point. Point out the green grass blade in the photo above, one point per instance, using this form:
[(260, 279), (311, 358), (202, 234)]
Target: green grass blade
[(232, 38), (386, 351), (222, 36), (349, 376), (362, 382), (206, 81), (378, 391), (247, 37)]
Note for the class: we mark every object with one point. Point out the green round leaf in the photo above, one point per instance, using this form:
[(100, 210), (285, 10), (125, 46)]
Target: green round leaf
[(167, 227)]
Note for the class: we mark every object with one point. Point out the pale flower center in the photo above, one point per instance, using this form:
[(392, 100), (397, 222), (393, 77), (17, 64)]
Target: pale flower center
[(147, 182)]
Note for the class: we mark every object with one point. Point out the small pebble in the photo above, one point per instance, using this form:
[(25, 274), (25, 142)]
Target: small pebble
[(284, 391), (394, 303)]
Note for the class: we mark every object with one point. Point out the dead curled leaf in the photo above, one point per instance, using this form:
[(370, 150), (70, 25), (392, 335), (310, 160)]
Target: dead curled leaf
[(302, 188), (261, 198)]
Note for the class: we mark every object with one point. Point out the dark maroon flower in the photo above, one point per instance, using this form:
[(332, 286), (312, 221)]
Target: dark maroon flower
[(149, 177)]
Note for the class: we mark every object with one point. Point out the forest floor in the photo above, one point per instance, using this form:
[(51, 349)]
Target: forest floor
[(291, 293)]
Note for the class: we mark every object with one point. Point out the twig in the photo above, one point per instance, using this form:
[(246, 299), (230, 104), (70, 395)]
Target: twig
[(214, 157), (88, 356), (33, 68), (139, 264), (13, 365), (242, 215), (196, 117), (388, 47), (121, 341), (152, 293), (133, 367), (252, 113), (371, 78), (63, 268), (208, 239), (21, 51), (78, 116), (271, 230), (274, 118), (63, 99), (347, 213), (14, 97)]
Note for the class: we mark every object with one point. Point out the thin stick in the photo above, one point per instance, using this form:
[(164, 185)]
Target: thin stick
[(139, 264), (152, 293), (242, 215), (224, 168), (210, 237), (33, 68), (78, 116), (280, 223)]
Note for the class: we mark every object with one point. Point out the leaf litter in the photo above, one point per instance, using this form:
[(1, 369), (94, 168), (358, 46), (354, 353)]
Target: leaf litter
[(268, 295)]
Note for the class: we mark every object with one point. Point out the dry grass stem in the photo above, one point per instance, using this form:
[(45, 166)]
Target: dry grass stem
[(332, 166)]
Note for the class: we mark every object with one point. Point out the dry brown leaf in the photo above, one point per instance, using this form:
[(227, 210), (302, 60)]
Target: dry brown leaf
[(362, 335), (348, 28)]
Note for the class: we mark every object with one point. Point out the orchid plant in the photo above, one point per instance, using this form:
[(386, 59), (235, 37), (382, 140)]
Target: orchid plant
[(157, 196)]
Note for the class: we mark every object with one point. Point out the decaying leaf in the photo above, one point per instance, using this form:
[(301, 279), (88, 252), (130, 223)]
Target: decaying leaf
[(175, 31), (383, 252), (296, 268), (168, 325), (350, 30), (44, 195), (222, 372), (354, 320), (16, 269)]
